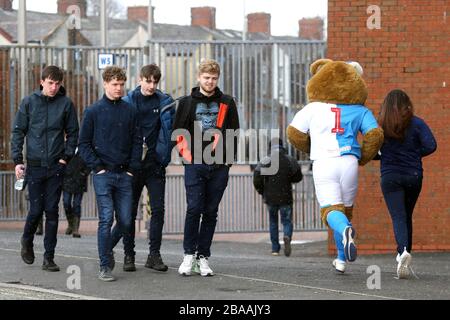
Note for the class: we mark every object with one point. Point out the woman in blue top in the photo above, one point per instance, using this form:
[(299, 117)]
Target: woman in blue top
[(407, 140)]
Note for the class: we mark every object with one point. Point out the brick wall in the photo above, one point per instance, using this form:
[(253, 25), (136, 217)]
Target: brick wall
[(311, 28), (203, 17), (63, 5), (258, 22), (409, 52), (5, 127)]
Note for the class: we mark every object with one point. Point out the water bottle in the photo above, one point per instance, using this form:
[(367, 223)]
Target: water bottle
[(20, 184)]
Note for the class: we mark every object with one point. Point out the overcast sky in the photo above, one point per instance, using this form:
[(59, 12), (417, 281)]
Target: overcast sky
[(229, 13)]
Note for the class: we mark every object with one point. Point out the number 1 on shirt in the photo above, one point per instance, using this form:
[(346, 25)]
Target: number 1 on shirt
[(337, 129)]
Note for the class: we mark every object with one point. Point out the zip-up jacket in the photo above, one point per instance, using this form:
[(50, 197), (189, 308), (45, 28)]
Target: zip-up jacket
[(192, 148), (277, 189), (110, 137), (158, 136), (51, 128)]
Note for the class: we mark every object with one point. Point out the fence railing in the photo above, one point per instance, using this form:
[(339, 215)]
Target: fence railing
[(267, 78), (241, 209)]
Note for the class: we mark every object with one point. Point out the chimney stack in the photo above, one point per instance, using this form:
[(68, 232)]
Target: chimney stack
[(259, 22), (64, 4), (203, 17), (139, 13), (6, 5), (311, 28)]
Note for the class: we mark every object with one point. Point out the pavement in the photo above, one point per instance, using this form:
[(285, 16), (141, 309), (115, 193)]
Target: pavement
[(244, 267)]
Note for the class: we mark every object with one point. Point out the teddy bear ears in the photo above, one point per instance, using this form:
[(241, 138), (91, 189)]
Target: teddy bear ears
[(317, 65)]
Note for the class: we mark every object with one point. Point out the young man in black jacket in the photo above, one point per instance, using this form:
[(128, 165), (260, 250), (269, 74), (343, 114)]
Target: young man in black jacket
[(156, 114), (276, 190), (203, 122), (111, 145), (48, 120)]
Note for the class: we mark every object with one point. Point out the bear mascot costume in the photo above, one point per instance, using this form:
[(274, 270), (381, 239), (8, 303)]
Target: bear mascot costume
[(327, 128)]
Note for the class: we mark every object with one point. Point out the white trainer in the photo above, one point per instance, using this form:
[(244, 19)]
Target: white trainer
[(186, 266), (205, 270), (339, 265), (403, 265)]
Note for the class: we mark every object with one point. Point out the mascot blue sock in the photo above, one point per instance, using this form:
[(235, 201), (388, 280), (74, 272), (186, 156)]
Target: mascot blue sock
[(339, 245), (338, 221)]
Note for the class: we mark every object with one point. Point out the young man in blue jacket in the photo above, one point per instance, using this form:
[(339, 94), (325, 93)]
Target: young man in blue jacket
[(156, 112), (48, 120), (111, 146)]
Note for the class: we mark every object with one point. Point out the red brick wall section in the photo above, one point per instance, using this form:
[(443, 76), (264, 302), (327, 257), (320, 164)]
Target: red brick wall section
[(311, 28), (64, 4), (410, 52), (259, 22), (203, 17), (6, 5)]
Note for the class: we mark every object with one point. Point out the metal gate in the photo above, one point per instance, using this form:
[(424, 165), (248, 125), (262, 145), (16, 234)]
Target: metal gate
[(267, 78)]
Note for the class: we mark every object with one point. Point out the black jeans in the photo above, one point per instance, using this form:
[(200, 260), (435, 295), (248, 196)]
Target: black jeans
[(205, 185), (154, 178), (44, 189), (401, 193)]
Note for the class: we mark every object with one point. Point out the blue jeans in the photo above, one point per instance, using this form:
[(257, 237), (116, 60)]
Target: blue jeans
[(72, 203), (205, 185), (44, 190), (155, 180), (114, 199), (286, 221), (401, 193)]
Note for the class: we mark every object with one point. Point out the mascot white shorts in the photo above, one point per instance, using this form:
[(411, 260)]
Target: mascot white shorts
[(336, 180)]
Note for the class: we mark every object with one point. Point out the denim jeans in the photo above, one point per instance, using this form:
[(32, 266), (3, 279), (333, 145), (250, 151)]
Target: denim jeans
[(286, 221), (72, 203), (114, 199), (155, 180), (44, 190), (205, 185), (401, 193)]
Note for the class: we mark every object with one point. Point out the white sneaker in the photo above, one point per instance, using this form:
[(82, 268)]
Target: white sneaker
[(186, 266), (205, 270), (403, 265), (339, 265)]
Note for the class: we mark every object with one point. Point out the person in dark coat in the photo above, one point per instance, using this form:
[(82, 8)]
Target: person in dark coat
[(74, 185), (276, 190)]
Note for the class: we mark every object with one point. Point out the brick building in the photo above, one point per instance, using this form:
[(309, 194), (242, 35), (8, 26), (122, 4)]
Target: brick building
[(409, 51)]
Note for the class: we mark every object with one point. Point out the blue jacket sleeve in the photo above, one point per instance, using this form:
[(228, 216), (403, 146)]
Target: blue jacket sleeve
[(427, 140), (136, 149)]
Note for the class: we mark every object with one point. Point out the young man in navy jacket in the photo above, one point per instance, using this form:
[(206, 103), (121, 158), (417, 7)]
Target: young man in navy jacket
[(111, 145), (156, 111)]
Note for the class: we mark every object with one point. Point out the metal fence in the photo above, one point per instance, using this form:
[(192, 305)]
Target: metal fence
[(267, 78), (241, 209)]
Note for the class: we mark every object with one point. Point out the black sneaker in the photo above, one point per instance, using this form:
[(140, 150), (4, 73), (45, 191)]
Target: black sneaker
[(128, 264), (50, 265), (155, 262), (287, 246), (27, 252), (105, 275)]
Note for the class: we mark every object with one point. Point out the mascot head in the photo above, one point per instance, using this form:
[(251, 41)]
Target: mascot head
[(336, 82)]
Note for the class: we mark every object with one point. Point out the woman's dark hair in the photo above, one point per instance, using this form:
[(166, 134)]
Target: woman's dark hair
[(396, 113)]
